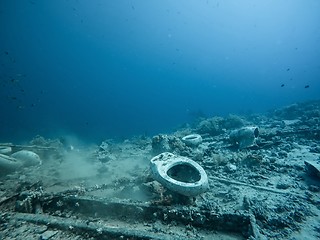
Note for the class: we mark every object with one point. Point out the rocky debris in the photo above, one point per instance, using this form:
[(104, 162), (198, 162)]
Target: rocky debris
[(165, 143), (212, 126), (306, 110), (103, 154), (160, 143), (266, 191), (47, 235), (217, 125)]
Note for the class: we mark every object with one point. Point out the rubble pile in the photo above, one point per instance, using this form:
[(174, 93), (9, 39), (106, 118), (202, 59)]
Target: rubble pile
[(267, 189)]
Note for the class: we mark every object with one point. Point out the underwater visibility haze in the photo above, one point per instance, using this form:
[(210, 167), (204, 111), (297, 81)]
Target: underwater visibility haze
[(99, 69)]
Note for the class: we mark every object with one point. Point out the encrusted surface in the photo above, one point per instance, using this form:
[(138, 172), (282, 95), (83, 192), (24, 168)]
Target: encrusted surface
[(107, 192)]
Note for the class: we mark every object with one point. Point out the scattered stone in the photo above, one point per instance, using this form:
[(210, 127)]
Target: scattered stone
[(283, 184), (48, 234), (230, 167), (259, 192), (160, 143)]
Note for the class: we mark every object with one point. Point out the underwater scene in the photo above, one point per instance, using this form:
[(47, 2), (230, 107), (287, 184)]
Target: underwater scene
[(171, 119)]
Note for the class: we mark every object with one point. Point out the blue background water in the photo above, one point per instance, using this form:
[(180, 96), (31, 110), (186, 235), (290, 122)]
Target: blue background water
[(99, 69)]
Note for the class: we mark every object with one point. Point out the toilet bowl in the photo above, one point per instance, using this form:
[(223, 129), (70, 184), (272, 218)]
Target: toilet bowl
[(244, 137), (27, 158), (179, 174), (192, 140)]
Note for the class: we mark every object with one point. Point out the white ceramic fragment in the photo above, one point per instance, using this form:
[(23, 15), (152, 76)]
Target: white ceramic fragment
[(192, 140), (5, 150), (244, 137), (27, 158)]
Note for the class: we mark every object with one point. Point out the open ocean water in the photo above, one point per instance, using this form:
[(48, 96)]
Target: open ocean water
[(99, 69)]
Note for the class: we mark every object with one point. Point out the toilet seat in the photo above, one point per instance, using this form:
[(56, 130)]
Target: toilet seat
[(164, 162)]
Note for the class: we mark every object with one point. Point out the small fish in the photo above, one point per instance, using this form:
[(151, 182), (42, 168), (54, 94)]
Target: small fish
[(21, 75), (288, 69), (282, 85), (306, 86)]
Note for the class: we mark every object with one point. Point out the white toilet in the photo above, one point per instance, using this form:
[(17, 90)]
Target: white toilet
[(192, 140), (179, 174)]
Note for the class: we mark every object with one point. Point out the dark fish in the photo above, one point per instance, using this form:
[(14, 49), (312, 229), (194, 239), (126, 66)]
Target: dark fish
[(306, 86), (282, 85), (288, 69), (21, 75), (6, 52)]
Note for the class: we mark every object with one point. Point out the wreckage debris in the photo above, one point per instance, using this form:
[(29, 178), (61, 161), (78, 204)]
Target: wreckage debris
[(267, 191)]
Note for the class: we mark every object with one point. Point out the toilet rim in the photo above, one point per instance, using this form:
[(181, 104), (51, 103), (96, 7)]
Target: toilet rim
[(192, 139), (162, 163), (164, 167)]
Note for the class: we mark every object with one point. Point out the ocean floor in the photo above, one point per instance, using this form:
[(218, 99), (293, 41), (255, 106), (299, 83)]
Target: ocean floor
[(268, 190)]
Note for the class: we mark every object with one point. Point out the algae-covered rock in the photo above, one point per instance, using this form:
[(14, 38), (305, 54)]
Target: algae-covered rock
[(212, 126)]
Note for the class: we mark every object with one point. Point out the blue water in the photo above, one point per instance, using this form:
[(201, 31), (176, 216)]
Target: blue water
[(99, 69)]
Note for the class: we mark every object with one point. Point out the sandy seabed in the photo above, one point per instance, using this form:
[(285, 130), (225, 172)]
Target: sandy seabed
[(267, 191)]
